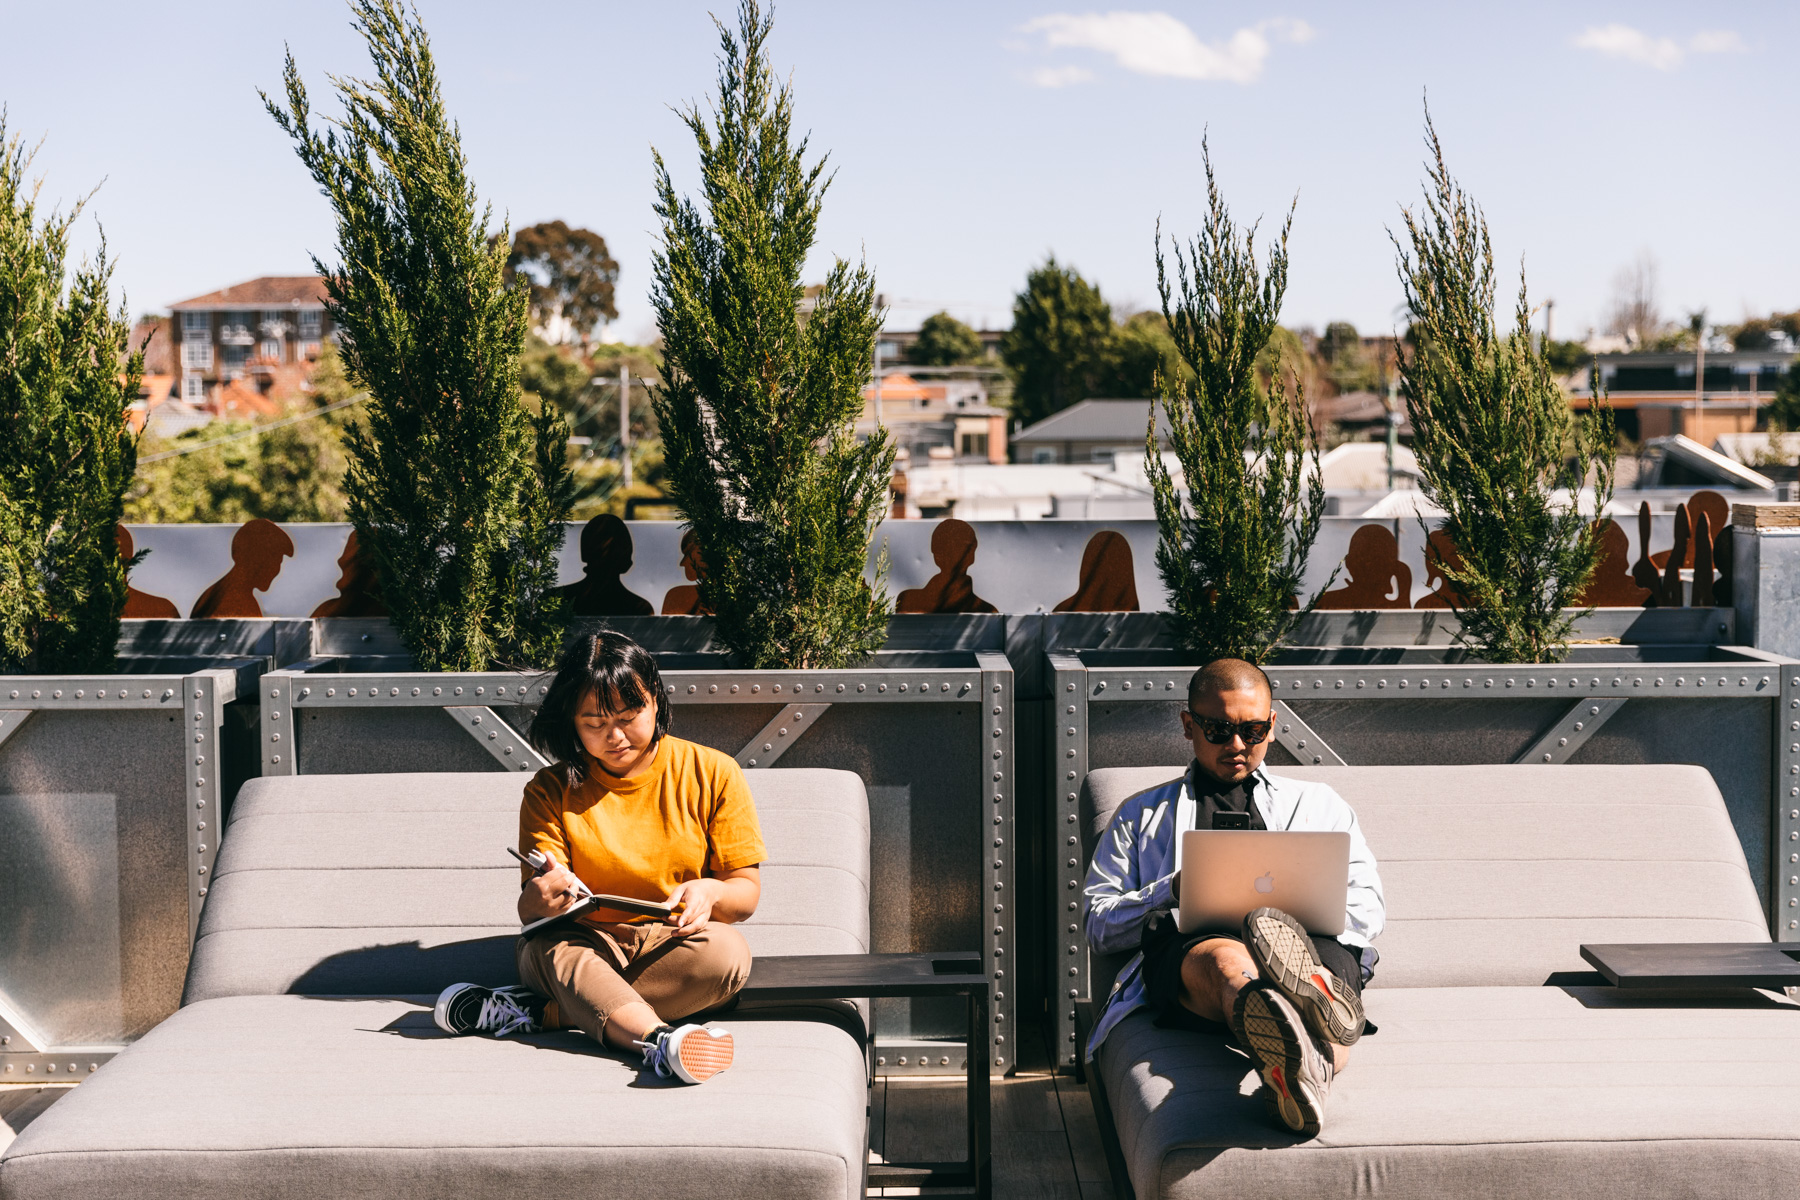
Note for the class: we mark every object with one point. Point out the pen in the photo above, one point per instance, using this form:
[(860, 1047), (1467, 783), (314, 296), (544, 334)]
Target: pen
[(543, 864)]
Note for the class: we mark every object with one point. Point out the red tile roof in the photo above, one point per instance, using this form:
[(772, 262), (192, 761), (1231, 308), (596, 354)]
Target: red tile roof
[(271, 291)]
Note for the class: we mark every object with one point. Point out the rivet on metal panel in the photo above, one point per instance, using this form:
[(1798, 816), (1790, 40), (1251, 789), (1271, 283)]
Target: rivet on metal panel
[(1380, 683), (1565, 741), (481, 691), (199, 695), (353, 691), (1659, 682), (903, 687), (840, 687), (734, 689), (57, 694), (1403, 684), (1338, 684), (201, 803), (755, 687), (1578, 726), (1446, 684), (275, 693), (1678, 681), (1546, 758), (1318, 683), (275, 758)]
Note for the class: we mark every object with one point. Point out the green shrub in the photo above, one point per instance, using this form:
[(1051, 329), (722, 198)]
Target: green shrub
[(1235, 533), (456, 489), (1495, 438), (67, 376), (757, 406)]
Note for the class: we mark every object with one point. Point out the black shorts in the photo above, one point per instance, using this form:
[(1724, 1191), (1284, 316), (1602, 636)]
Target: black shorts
[(1166, 947)]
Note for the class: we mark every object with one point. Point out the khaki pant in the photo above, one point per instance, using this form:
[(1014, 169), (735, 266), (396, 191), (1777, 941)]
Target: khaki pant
[(587, 971)]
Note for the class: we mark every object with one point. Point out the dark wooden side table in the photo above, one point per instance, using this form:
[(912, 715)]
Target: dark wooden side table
[(1696, 964), (880, 976)]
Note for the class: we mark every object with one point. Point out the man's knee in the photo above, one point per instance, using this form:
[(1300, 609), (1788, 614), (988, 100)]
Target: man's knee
[(1209, 964)]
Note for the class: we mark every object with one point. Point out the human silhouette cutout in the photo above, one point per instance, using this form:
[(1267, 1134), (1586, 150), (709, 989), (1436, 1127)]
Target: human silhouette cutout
[(1372, 569), (950, 590), (1107, 582), (600, 592), (1718, 516), (141, 605), (359, 592), (1612, 585), (1440, 552), (257, 549), (683, 600)]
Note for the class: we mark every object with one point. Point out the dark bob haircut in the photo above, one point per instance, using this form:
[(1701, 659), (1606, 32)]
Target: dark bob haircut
[(616, 671)]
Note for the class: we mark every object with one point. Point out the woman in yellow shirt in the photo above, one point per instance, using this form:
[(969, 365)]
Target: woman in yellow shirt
[(627, 809)]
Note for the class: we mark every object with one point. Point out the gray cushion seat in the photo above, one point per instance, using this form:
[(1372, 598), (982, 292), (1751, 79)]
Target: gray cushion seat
[(1499, 1070), (368, 894)]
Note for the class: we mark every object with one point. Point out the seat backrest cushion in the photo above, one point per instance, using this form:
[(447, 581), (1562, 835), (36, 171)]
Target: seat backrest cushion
[(400, 884), (1495, 875)]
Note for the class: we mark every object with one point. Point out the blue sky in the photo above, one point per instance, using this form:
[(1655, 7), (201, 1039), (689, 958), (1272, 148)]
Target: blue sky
[(970, 139)]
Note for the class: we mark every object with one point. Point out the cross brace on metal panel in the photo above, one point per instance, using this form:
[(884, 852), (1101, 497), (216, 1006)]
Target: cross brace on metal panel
[(493, 734), (1307, 747), (780, 733), (11, 720), (1577, 725)]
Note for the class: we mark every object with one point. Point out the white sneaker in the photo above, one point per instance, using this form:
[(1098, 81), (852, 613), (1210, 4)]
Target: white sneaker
[(470, 1008), (690, 1053), (1294, 1065)]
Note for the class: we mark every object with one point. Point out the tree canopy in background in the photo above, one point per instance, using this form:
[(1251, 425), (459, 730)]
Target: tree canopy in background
[(234, 471), (570, 274), (67, 374), (1059, 341), (456, 490), (945, 341)]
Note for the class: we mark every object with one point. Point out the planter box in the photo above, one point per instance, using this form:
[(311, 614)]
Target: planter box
[(112, 788), (1672, 694), (928, 726)]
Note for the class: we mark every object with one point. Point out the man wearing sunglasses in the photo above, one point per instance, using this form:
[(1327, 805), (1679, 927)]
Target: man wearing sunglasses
[(1293, 1001)]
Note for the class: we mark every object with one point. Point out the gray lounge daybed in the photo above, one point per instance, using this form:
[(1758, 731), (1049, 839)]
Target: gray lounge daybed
[(1490, 1076), (304, 1061)]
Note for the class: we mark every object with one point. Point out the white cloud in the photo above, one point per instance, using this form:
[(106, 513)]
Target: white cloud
[(1662, 53), (1155, 43), (1055, 77), (1717, 41)]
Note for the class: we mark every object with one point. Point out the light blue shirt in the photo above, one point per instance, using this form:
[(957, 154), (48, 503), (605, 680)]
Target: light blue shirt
[(1131, 883)]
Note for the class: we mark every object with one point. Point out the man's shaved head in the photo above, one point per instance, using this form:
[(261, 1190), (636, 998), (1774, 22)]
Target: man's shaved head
[(1228, 675)]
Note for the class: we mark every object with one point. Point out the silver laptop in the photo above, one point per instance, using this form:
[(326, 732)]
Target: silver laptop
[(1228, 873)]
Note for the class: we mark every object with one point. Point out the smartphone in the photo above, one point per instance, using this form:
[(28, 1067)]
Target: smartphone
[(1231, 820)]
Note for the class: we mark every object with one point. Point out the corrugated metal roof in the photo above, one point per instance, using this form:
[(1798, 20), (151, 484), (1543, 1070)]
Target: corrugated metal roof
[(1096, 421)]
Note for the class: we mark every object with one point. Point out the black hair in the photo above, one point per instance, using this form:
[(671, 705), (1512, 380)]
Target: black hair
[(1229, 675), (617, 672)]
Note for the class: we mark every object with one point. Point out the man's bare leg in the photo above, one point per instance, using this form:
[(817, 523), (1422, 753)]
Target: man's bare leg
[(1213, 973)]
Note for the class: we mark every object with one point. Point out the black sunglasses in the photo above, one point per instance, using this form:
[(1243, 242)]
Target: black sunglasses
[(1220, 732)]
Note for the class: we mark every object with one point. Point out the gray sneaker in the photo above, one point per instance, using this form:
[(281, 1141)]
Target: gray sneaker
[(1284, 955), (1295, 1069)]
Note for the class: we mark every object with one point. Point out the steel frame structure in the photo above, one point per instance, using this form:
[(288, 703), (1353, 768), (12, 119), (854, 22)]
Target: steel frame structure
[(1595, 692), (25, 1055), (471, 697)]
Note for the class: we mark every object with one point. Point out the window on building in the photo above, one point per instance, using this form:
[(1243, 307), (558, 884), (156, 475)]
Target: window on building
[(1101, 454), (1043, 454), (974, 445), (309, 351), (311, 321), (193, 387), (271, 349), (196, 327), (197, 355)]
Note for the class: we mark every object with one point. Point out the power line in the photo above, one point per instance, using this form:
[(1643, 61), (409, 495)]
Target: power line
[(256, 431)]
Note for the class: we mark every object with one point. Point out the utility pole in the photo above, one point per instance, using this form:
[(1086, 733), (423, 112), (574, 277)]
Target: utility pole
[(1549, 325), (877, 428), (624, 425)]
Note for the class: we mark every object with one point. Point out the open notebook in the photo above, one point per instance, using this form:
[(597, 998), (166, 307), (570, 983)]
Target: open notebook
[(596, 903)]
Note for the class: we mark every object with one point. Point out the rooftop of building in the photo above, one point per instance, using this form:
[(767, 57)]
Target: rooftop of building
[(270, 291)]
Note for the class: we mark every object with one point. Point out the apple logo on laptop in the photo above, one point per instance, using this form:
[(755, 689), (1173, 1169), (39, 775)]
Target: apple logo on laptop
[(1265, 883)]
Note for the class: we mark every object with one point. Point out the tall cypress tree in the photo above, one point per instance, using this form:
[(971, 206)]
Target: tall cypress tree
[(757, 404), (66, 454), (1499, 449), (1234, 539), (455, 488)]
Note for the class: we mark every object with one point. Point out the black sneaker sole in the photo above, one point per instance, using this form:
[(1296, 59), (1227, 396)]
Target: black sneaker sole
[(1275, 1043), (1284, 955)]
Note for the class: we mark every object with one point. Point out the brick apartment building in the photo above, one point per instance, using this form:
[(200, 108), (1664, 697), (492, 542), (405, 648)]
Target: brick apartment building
[(248, 332)]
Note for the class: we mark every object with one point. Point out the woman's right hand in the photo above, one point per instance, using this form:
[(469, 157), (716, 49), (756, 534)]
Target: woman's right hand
[(547, 895)]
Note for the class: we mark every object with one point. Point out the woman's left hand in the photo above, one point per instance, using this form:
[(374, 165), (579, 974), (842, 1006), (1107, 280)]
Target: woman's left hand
[(695, 898)]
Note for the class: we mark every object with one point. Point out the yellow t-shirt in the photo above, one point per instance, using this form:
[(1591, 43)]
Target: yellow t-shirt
[(688, 814)]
